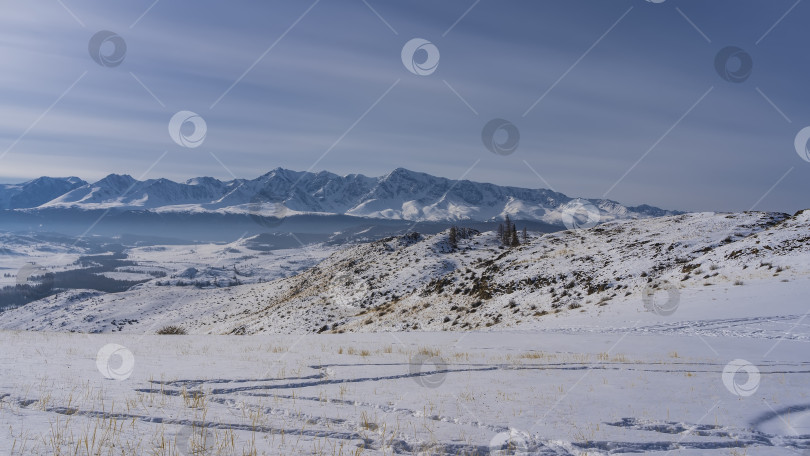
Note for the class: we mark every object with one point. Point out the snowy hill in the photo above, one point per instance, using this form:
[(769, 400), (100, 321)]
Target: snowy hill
[(399, 195), (417, 282)]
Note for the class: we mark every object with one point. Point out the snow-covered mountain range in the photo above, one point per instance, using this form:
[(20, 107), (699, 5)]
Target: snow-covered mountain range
[(399, 195)]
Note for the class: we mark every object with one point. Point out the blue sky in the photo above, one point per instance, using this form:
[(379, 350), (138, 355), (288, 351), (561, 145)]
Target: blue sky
[(630, 105)]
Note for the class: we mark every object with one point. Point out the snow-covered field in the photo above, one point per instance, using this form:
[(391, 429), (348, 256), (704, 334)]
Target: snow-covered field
[(681, 335), (646, 384), (17, 251)]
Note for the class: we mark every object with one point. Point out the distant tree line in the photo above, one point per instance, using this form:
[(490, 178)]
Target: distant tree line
[(90, 277), (457, 233), (19, 295), (508, 233), (203, 283)]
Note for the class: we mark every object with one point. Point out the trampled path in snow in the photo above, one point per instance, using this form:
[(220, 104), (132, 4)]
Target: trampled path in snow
[(774, 327)]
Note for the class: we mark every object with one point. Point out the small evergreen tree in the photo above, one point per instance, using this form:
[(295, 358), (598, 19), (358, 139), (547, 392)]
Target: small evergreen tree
[(525, 235), (514, 242), (506, 237), (453, 237)]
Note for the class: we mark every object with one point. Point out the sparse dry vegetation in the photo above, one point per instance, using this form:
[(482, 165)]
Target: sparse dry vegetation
[(171, 330)]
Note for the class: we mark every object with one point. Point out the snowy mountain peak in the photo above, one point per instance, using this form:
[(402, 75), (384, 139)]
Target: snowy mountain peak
[(116, 181), (36, 192)]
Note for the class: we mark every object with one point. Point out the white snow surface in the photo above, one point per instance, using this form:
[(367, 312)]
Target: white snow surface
[(547, 346), (604, 391)]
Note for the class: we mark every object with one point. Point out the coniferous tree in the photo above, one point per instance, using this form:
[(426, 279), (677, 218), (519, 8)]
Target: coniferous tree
[(506, 239), (525, 235), (514, 242), (453, 237)]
